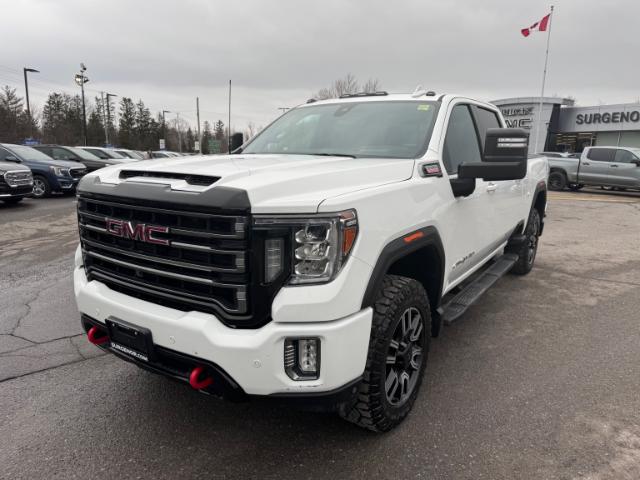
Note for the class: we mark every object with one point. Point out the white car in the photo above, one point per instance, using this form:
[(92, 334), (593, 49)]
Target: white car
[(317, 262)]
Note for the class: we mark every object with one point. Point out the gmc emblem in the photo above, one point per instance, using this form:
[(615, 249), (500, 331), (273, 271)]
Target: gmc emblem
[(140, 231)]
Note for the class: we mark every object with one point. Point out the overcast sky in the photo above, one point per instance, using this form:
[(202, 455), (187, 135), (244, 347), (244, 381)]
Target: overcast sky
[(279, 52)]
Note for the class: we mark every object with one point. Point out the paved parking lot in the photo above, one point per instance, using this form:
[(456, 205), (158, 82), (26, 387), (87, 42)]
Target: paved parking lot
[(540, 379)]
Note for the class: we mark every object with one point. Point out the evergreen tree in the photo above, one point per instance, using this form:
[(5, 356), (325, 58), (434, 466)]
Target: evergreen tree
[(127, 134), (206, 136), (190, 140), (95, 128), (14, 121), (143, 127)]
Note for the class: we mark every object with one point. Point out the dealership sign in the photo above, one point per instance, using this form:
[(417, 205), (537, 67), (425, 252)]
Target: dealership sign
[(608, 117), (518, 117)]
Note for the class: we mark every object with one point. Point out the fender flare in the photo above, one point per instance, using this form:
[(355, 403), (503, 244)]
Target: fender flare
[(540, 188), (399, 248)]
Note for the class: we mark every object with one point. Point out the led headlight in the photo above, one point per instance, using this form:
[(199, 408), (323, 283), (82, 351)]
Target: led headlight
[(321, 244), (60, 171)]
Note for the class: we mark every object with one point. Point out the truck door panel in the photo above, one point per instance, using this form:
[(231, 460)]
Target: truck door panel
[(624, 173), (595, 166)]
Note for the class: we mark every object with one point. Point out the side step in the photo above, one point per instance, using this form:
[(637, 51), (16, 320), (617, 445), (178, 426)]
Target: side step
[(470, 293)]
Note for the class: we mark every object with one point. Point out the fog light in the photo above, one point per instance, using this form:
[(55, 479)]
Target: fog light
[(302, 358)]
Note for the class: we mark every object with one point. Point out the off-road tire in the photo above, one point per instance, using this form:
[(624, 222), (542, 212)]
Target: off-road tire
[(371, 408), (557, 180), (526, 257)]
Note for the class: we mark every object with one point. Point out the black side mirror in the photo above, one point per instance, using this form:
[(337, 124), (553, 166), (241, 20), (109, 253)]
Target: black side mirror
[(636, 162), (12, 158), (237, 139), (504, 158)]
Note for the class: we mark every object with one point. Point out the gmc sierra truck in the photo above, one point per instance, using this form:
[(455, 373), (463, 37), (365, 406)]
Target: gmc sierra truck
[(611, 167), (315, 262)]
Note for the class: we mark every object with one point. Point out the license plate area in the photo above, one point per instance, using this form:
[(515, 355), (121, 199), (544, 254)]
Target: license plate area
[(130, 340)]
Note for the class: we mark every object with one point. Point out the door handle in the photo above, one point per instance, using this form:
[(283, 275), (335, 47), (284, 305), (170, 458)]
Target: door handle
[(585, 163), (491, 187), (613, 166)]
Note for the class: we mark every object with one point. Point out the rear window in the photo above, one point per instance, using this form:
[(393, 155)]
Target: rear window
[(601, 154)]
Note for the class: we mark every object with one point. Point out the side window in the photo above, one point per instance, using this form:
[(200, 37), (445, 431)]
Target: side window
[(4, 153), (624, 156), (601, 154), (461, 141), (486, 119), (60, 154)]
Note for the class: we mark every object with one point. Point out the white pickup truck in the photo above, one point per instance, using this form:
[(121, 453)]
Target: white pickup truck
[(315, 262)]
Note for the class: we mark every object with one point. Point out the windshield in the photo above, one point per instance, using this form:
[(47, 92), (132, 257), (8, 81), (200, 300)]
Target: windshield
[(28, 153), (389, 129), (113, 154), (83, 154)]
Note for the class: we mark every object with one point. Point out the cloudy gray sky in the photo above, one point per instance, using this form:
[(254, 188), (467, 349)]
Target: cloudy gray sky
[(278, 52)]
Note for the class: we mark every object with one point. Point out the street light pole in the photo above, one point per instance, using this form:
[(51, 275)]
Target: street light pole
[(81, 79), (26, 88)]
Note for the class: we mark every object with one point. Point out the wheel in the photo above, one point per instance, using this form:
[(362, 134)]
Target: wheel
[(41, 187), (557, 180), (397, 356), (12, 200), (574, 187), (528, 250)]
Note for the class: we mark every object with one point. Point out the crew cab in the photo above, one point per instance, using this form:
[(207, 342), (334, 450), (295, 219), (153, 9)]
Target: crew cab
[(316, 261), (49, 175), (16, 181), (615, 167)]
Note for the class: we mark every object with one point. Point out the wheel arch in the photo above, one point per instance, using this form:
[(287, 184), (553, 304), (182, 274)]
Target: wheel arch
[(418, 255), (540, 202)]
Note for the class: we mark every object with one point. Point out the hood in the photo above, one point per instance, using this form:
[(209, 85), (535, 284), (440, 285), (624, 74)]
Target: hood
[(54, 163), (274, 183), (6, 166)]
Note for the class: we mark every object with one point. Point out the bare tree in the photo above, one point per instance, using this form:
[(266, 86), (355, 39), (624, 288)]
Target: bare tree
[(345, 86)]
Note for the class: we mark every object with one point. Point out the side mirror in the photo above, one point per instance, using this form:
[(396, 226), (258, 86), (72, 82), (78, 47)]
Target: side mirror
[(237, 139), (12, 158), (636, 162), (506, 151)]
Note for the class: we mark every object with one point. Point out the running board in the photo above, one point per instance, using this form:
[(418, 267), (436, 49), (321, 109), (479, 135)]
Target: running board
[(470, 293)]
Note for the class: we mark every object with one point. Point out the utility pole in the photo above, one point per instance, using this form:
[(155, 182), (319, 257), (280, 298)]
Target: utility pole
[(109, 95), (164, 128), (198, 114), (229, 124), (81, 79), (26, 88), (544, 79)]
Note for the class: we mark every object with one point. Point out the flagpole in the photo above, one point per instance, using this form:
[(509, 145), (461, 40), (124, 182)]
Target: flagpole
[(544, 79)]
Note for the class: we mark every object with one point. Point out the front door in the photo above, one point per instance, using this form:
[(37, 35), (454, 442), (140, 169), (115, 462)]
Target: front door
[(624, 171), (465, 227)]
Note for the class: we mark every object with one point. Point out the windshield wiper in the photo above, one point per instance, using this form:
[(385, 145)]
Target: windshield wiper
[(332, 155)]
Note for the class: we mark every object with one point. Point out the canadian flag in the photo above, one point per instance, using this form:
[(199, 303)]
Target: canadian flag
[(540, 26)]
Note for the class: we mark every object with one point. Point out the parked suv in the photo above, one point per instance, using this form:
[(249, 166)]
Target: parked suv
[(73, 154), (316, 262), (16, 180), (108, 156), (609, 167), (49, 175)]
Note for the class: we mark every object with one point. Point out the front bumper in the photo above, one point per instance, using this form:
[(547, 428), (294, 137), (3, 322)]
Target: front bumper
[(252, 359)]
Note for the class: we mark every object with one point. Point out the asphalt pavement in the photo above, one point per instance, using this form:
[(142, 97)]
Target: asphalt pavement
[(538, 380)]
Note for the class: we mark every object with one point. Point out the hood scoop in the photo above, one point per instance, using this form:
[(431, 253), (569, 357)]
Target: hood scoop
[(167, 177)]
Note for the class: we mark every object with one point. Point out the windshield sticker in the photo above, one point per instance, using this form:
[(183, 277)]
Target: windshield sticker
[(424, 107)]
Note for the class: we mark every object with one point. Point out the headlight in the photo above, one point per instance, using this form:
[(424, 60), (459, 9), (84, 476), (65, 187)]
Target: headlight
[(60, 171), (320, 244)]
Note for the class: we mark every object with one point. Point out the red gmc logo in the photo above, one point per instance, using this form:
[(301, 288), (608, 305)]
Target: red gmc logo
[(139, 231)]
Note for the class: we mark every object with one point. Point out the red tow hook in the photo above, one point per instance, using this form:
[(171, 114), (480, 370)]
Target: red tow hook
[(195, 382), (96, 336)]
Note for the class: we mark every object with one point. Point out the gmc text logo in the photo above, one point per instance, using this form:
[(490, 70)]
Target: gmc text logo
[(139, 231)]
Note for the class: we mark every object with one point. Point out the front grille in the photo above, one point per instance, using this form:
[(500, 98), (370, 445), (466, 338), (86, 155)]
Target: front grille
[(77, 172), (18, 178), (203, 266)]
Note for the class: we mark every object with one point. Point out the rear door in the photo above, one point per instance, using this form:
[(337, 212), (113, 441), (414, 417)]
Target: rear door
[(594, 168), (624, 172)]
